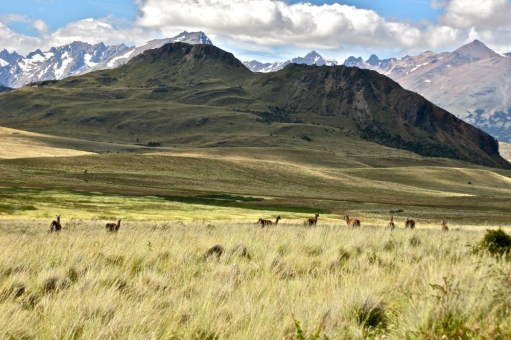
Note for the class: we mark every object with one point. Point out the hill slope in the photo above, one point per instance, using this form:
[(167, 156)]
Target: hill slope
[(200, 95), (471, 82)]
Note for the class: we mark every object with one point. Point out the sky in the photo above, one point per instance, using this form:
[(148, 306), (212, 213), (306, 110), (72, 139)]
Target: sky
[(266, 30)]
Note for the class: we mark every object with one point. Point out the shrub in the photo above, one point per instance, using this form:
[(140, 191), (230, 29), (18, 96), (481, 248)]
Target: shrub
[(371, 314), (496, 242), (301, 335)]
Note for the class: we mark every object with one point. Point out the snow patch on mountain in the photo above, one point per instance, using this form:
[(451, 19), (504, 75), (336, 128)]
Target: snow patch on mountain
[(76, 58), (312, 58)]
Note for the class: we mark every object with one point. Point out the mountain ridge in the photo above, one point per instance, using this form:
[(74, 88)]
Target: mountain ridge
[(220, 102), (76, 58), (472, 82), (312, 58)]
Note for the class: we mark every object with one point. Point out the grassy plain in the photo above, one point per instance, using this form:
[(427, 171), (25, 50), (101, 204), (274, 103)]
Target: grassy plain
[(152, 281)]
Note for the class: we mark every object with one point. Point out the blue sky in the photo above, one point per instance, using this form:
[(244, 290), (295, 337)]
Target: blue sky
[(266, 30)]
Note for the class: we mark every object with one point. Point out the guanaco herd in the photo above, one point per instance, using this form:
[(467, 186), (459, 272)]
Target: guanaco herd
[(351, 222), (56, 227)]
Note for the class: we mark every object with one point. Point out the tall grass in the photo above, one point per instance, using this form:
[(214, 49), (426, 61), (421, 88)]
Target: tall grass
[(154, 280)]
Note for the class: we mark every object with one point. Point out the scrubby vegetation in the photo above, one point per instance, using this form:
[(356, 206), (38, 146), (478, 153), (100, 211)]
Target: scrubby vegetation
[(495, 242), (227, 280)]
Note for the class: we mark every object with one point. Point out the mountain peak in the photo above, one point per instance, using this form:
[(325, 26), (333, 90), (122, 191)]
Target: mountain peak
[(476, 50), (186, 52), (192, 38), (36, 52), (373, 60)]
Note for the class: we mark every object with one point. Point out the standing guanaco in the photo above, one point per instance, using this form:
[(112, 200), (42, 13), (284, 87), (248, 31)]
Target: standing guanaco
[(265, 223), (352, 222), (55, 226), (113, 227), (391, 223), (444, 226), (311, 221), (409, 223)]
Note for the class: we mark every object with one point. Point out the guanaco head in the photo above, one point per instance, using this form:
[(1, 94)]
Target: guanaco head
[(407, 218), (316, 214), (58, 218), (391, 218), (119, 222), (346, 217), (278, 218), (260, 220)]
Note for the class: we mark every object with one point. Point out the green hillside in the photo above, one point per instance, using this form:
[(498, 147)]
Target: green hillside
[(200, 96)]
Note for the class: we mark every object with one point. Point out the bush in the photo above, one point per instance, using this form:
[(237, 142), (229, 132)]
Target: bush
[(496, 242)]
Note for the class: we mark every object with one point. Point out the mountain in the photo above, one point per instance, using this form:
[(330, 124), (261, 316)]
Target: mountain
[(76, 58), (57, 63), (126, 55), (7, 58), (476, 51), (200, 95), (473, 82), (4, 89), (312, 58)]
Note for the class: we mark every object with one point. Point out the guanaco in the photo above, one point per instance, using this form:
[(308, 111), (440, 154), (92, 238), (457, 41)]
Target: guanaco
[(265, 223), (311, 221), (409, 223), (55, 226), (444, 226), (352, 222), (391, 223), (113, 227)]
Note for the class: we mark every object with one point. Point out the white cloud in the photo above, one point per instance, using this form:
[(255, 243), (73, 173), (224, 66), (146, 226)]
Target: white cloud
[(270, 22), (41, 27), (477, 13), (272, 27), (11, 40), (109, 30)]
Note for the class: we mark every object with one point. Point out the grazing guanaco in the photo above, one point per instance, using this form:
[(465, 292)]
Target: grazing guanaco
[(113, 227), (391, 223), (265, 223), (409, 223), (444, 226), (55, 226), (352, 222), (311, 221)]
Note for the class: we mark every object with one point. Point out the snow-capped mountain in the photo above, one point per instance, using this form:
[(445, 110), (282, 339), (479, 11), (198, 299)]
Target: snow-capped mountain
[(76, 58), (473, 82), (123, 57), (312, 58), (7, 58), (57, 63)]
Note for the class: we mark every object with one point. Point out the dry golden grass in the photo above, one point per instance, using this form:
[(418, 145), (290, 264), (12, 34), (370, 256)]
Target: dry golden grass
[(152, 281), (23, 144)]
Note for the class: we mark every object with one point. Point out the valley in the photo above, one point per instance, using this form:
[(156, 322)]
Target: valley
[(186, 149)]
